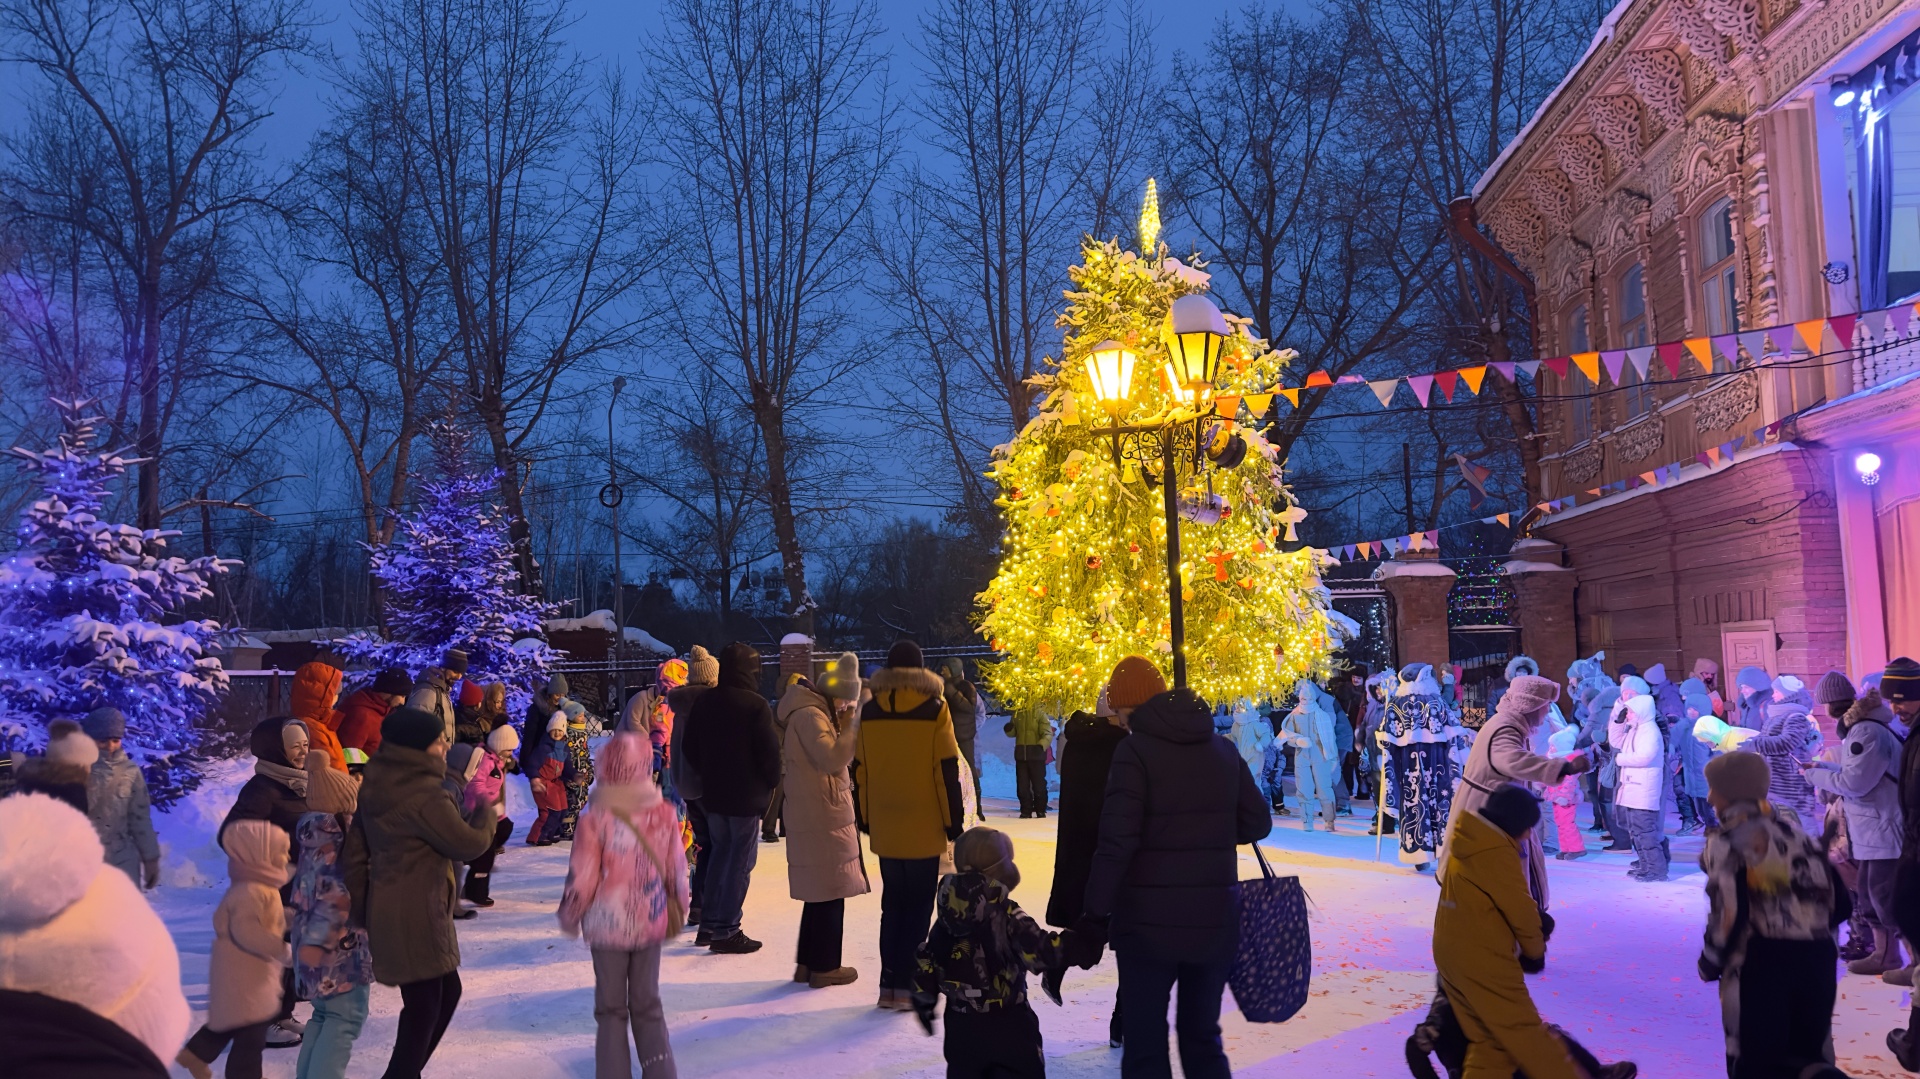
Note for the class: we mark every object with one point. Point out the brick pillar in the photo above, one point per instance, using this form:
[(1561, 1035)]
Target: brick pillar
[(1543, 605), (796, 655), (1419, 584)]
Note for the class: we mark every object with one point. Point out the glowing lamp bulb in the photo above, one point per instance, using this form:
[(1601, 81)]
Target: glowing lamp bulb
[(1867, 465)]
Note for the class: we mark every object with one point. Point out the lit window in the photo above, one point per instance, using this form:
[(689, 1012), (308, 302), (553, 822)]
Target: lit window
[(1717, 273), (1579, 406), (1633, 334)]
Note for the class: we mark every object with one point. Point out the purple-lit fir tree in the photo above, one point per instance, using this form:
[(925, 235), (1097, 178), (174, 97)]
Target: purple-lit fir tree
[(448, 581), (91, 614)]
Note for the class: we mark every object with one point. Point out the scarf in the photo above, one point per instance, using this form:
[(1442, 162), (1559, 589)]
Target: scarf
[(293, 778)]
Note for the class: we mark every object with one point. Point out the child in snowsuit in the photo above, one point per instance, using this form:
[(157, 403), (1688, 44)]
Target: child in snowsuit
[(331, 964), (1565, 797), (1488, 934), (578, 774), (1309, 728), (1252, 735), (1773, 902), (249, 952), (545, 765), (978, 956)]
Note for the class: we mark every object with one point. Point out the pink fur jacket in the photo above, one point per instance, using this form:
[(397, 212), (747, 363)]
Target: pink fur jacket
[(619, 893)]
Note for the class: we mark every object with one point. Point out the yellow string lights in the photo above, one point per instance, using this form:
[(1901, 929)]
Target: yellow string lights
[(1083, 579)]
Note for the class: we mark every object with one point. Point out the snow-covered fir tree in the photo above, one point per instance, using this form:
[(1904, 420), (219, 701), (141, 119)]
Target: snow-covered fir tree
[(449, 581), (92, 613)]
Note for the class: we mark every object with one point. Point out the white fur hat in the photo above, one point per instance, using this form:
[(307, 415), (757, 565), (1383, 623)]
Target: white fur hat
[(78, 930), (503, 740)]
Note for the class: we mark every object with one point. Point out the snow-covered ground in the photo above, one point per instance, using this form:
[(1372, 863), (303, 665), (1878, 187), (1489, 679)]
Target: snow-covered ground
[(1620, 973)]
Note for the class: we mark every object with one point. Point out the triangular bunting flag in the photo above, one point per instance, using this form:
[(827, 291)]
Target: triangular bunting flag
[(1227, 404), (1258, 403), (1712, 456), (1595, 491), (1473, 376), (1669, 353), (1728, 447), (1393, 546), (1318, 378), (1642, 360), (1616, 361), (1412, 540), (1755, 342), (1648, 477), (1781, 338), (1421, 385), (1703, 459), (1901, 319), (1446, 380), (1366, 548), (1505, 369), (1292, 395), (1810, 332), (1531, 368), (1729, 350), (1502, 518), (1773, 429), (1383, 389), (1543, 507), (1702, 350), (1345, 379), (1876, 324), (1348, 552), (1589, 365), (1558, 365), (1433, 540), (1843, 328)]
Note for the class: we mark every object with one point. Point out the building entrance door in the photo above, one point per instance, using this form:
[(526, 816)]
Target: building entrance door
[(1746, 644)]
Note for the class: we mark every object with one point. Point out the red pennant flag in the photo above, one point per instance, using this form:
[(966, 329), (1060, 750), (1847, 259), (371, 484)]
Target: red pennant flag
[(1446, 381), (1843, 328), (1670, 353), (1558, 365), (1318, 378)]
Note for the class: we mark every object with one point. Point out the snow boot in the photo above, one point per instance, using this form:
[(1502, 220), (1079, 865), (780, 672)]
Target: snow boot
[(1901, 976), (200, 1069), (703, 938), (1885, 957), (821, 979), (1901, 1045), (737, 944), (801, 973)]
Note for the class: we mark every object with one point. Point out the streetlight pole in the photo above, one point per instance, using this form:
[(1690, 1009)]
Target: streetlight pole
[(611, 496), (1176, 603)]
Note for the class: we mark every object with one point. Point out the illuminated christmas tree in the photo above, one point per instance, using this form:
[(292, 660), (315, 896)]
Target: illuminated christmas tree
[(1083, 580)]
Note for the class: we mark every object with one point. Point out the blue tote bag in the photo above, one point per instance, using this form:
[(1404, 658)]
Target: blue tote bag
[(1274, 965)]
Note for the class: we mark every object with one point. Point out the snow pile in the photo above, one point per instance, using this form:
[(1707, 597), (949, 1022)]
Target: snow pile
[(190, 855), (601, 621)]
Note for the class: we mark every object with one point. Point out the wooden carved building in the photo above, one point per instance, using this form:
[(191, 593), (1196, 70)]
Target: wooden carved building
[(1711, 168)]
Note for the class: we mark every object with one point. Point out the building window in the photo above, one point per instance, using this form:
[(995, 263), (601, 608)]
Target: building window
[(1717, 273), (1579, 403), (1633, 334)]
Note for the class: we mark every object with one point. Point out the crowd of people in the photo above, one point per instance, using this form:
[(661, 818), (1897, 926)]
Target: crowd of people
[(372, 824)]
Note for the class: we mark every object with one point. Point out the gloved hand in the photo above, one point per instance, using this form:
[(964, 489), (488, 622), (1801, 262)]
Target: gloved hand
[(1092, 934), (1531, 964), (1050, 984), (1546, 925), (1708, 971), (923, 1011), (1577, 765), (1082, 950), (150, 873)]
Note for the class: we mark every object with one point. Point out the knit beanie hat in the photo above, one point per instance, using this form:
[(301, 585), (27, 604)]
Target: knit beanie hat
[(1656, 674), (627, 758), (841, 679), (1740, 776), (1787, 685), (393, 682), (455, 660), (1511, 809), (557, 725), (672, 674), (905, 654), (470, 695), (1901, 682), (557, 685), (702, 668), (575, 712), (330, 790), (1528, 693), (1627, 669), (1135, 680), (68, 744), (1632, 685), (503, 740), (102, 724), (414, 728), (1832, 688)]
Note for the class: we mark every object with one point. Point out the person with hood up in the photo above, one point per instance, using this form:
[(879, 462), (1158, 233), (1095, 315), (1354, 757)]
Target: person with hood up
[(626, 893), (362, 712), (1789, 741), (1310, 728), (703, 673), (1565, 795), (399, 866), (117, 801), (311, 700), (821, 725), (963, 704), (249, 953), (1708, 673), (1752, 689), (978, 956), (545, 766), (433, 691), (331, 964), (1773, 902), (1516, 667), (906, 776), (1379, 687), (1867, 779), (1640, 756), (1598, 710), (1502, 754), (1162, 887), (1086, 756), (497, 761), (733, 747), (576, 751), (1695, 702), (277, 790), (89, 976), (1489, 933), (648, 713), (1417, 737), (1252, 735), (1032, 734)]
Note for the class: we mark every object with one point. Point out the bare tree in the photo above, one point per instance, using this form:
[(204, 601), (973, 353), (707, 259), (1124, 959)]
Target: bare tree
[(776, 130), (530, 178), (140, 139)]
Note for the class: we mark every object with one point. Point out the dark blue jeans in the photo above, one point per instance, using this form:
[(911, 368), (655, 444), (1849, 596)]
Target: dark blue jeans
[(736, 847), (1146, 981), (907, 887)]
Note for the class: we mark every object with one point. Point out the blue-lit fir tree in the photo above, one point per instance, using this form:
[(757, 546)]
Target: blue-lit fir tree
[(448, 581), (92, 613)]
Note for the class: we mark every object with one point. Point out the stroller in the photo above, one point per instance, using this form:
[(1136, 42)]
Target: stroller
[(1439, 1037)]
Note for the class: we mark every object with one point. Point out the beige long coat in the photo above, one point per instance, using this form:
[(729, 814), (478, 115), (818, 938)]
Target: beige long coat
[(823, 842), (1501, 755)]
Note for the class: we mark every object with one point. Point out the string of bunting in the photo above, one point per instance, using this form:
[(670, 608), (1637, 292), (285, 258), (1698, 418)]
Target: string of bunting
[(1712, 457), (1766, 345)]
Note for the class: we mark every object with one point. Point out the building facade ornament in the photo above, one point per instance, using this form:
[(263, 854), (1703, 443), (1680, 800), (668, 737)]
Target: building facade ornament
[(1639, 441), (1706, 156), (1702, 40), (1726, 404), (1660, 81), (1584, 160), (1581, 464), (1616, 120), (1520, 229), (1552, 194), (1739, 20)]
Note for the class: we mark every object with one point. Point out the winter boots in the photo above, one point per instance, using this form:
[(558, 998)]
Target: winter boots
[(1885, 957)]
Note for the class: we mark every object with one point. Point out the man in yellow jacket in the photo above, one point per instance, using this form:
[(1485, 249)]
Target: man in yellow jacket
[(1487, 935), (906, 777)]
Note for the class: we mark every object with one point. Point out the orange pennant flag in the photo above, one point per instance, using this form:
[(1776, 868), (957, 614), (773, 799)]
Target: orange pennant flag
[(1227, 404), (1811, 331), (1473, 376), (1589, 365), (1502, 518), (1713, 454), (1292, 396), (1257, 404), (1649, 478), (1702, 349), (1593, 490), (1318, 378)]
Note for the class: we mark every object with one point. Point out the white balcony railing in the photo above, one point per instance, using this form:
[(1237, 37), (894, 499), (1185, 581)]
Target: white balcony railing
[(1876, 364)]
